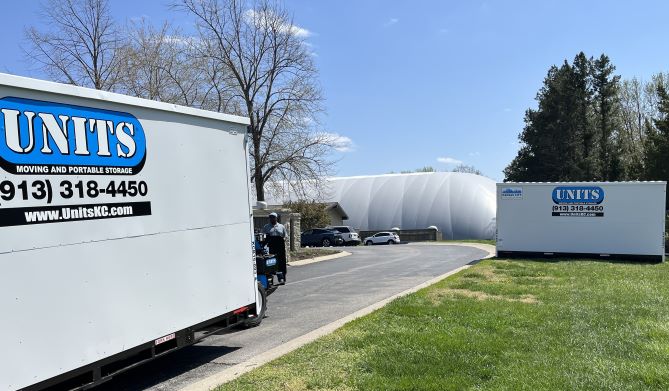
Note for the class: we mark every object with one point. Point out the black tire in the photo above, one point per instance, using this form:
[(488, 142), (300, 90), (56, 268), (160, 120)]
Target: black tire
[(326, 242), (368, 243), (256, 320), (391, 242)]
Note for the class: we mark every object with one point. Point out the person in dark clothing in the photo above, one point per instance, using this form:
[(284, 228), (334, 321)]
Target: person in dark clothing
[(276, 241)]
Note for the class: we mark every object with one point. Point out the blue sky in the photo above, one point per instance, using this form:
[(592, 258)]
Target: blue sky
[(432, 82)]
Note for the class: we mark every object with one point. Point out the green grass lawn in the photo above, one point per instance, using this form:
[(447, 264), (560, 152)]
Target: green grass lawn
[(499, 325), (312, 252)]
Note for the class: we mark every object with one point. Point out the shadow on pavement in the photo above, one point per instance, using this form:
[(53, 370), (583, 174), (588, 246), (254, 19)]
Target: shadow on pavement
[(164, 368)]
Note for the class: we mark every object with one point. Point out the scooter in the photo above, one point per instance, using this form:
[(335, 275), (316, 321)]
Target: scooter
[(266, 270)]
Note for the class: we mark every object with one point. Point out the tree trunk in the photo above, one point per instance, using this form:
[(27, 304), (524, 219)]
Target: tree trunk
[(257, 168), (260, 185)]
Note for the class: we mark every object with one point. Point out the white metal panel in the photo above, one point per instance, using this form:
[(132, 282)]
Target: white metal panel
[(68, 306), (191, 162), (631, 221), (72, 293), (44, 86)]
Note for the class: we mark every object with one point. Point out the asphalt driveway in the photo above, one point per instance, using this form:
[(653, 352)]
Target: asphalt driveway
[(315, 295)]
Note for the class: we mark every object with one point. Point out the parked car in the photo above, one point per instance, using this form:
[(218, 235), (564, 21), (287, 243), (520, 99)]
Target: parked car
[(383, 238), (321, 237), (348, 234)]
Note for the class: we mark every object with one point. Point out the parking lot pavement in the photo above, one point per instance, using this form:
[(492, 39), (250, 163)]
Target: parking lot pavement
[(315, 295)]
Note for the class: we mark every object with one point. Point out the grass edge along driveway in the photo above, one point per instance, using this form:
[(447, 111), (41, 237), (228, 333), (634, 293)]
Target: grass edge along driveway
[(501, 324)]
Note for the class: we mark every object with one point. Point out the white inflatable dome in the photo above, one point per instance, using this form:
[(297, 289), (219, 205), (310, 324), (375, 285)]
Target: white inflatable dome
[(460, 205)]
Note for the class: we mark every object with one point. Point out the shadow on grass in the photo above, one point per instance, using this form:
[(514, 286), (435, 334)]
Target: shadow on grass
[(580, 258)]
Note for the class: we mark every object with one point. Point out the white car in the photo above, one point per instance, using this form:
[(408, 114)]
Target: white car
[(348, 234), (383, 238)]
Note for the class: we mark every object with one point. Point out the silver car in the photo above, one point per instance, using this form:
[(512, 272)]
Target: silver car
[(383, 238)]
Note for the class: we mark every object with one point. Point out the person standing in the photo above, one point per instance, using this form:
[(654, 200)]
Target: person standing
[(276, 241)]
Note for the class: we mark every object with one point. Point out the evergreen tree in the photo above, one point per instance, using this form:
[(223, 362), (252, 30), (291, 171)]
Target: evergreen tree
[(607, 119), (657, 139), (584, 162), (573, 135), (555, 136), (537, 159)]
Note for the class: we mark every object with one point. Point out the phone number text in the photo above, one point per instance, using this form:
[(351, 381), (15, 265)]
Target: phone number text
[(45, 189), (578, 208)]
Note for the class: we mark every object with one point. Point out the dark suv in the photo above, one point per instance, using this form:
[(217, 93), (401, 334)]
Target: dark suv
[(321, 237)]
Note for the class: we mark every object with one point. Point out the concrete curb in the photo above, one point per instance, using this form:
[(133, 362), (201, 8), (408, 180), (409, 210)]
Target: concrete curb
[(492, 250), (319, 259), (237, 370)]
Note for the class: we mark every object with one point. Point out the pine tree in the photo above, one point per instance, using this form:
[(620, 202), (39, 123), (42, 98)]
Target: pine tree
[(607, 119), (555, 136), (582, 135), (574, 134), (657, 148), (538, 158)]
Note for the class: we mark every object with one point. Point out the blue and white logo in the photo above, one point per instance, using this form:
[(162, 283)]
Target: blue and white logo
[(512, 193), (54, 138), (583, 195)]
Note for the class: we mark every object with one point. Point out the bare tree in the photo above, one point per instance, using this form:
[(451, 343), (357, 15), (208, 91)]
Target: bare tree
[(161, 64), (80, 45), (467, 169), (635, 114), (639, 106), (256, 52)]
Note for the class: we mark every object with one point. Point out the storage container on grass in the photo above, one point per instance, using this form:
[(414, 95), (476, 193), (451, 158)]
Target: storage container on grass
[(601, 219)]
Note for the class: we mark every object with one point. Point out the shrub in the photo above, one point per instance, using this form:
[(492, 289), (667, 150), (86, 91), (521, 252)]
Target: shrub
[(312, 214)]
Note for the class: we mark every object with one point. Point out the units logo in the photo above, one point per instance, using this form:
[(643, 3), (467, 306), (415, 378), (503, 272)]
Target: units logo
[(39, 137), (514, 193), (578, 195)]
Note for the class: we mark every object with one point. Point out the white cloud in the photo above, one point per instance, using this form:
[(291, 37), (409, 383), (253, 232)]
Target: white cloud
[(300, 31), (339, 142), (449, 160), (474, 154), (264, 18), (311, 48), (506, 109), (391, 22), (443, 30)]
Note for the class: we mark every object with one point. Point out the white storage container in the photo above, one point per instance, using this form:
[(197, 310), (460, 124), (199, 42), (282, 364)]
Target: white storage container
[(611, 219), (125, 230)]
